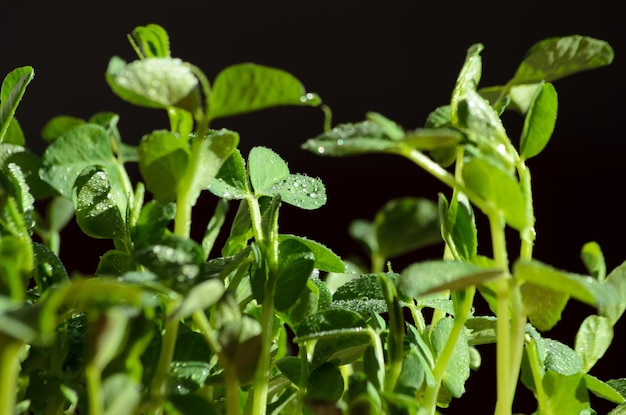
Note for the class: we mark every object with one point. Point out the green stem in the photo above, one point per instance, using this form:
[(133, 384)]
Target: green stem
[(10, 350), (528, 233), (260, 386), (431, 393), (158, 388), (93, 379)]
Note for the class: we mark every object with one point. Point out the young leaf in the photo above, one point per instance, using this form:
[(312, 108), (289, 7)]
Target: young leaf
[(13, 88), (231, 181), (325, 259), (432, 276), (539, 122), (362, 295), (249, 87), (152, 40), (163, 162), (83, 146), (603, 390), (295, 265), (593, 339), (301, 191), (497, 186), (266, 168), (593, 258), (458, 226), (467, 80), (616, 283), (97, 210), (155, 83)]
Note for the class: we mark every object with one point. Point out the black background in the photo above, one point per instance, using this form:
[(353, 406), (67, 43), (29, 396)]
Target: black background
[(399, 58)]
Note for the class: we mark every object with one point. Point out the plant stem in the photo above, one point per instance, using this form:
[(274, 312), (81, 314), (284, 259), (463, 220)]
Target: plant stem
[(158, 389), (94, 389), (10, 350), (260, 386), (431, 393)]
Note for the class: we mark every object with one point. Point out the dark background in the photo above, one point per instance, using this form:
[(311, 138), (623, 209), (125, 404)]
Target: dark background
[(399, 58)]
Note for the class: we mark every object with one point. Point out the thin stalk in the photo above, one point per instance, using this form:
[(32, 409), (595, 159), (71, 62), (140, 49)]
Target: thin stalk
[(158, 389), (270, 248), (93, 379), (431, 393), (10, 350), (528, 233)]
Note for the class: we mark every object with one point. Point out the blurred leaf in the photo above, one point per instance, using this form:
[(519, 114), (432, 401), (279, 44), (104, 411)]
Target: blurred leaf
[(457, 371), (248, 87), (497, 186), (616, 284), (352, 139), (406, 224), (13, 88), (603, 390), (593, 258), (593, 339), (325, 383), (152, 40), (163, 162), (325, 259), (581, 287), (539, 122), (155, 83), (564, 394), (543, 305), (432, 276), (60, 125)]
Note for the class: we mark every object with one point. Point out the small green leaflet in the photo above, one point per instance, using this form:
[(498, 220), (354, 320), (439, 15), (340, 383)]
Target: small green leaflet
[(11, 93)]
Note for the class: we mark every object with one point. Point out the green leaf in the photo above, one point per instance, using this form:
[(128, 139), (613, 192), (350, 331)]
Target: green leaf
[(406, 224), (266, 169), (467, 80), (458, 226), (97, 210), (295, 265), (325, 259), (121, 395), (497, 186), (301, 191), (362, 295), (13, 88), (60, 125), (561, 358), (16, 262), (434, 275), (231, 181), (325, 383), (163, 162), (581, 287), (83, 146), (431, 139), (188, 376), (155, 83), (543, 305), (152, 223), (176, 261), (352, 139), (539, 122), (603, 390), (593, 258), (616, 283), (200, 297), (248, 87), (115, 262), (457, 371), (49, 268), (558, 57), (564, 394), (330, 320), (152, 40), (593, 339)]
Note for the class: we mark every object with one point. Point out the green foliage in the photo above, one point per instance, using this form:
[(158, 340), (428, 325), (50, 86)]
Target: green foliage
[(168, 326)]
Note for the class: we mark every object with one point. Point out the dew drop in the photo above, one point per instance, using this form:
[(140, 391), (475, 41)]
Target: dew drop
[(321, 150)]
